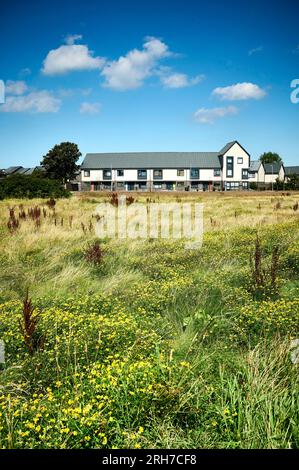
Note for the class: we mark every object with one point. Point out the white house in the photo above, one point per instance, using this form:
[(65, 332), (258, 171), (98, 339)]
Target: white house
[(256, 173), (274, 171), (149, 171)]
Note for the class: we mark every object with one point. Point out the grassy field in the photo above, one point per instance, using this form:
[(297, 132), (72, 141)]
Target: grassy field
[(145, 344)]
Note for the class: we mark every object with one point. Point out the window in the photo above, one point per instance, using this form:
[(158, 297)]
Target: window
[(240, 160), (142, 174), (157, 186), (216, 172), (180, 172), (231, 185), (230, 167), (244, 174), (86, 173), (107, 174), (120, 172), (158, 174), (120, 185), (194, 173)]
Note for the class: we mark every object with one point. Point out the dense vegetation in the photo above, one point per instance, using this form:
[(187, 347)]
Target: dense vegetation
[(35, 186), (144, 343)]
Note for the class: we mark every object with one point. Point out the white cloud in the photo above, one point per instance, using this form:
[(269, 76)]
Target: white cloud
[(240, 91), (208, 116), (129, 71), (17, 87), (180, 80), (255, 50), (72, 38), (90, 108), (35, 102), (71, 57)]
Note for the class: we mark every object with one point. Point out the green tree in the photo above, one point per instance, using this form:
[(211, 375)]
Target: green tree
[(60, 161), (270, 157)]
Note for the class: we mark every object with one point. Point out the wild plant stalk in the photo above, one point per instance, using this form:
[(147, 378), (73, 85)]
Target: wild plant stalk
[(94, 254), (28, 324)]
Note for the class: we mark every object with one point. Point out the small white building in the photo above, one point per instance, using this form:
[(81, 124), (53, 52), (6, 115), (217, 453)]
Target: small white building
[(149, 171), (273, 172), (256, 173)]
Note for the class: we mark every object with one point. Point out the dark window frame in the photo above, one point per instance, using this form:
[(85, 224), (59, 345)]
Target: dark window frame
[(160, 176), (140, 176), (120, 171), (86, 173), (217, 172), (245, 175), (229, 167), (196, 176), (106, 177), (180, 170)]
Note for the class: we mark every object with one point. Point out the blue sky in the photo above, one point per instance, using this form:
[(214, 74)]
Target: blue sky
[(148, 76)]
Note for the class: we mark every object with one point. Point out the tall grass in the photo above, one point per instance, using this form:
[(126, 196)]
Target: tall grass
[(151, 332)]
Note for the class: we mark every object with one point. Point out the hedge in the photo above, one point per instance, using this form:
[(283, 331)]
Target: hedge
[(21, 186)]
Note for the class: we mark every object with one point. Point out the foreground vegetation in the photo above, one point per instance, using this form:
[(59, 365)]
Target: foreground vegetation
[(144, 343)]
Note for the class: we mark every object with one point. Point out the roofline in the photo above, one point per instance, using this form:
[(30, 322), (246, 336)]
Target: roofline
[(149, 168), (231, 144)]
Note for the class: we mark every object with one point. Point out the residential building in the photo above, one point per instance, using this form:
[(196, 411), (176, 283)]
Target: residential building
[(153, 171), (291, 170), (19, 170), (273, 172), (256, 173)]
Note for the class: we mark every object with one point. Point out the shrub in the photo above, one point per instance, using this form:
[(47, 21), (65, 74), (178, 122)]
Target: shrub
[(20, 186)]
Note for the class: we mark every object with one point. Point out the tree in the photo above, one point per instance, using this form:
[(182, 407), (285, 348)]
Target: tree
[(270, 157), (60, 161)]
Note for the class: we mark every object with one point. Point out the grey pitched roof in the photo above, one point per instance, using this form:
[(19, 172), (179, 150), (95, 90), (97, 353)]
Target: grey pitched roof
[(272, 168), (29, 171), (229, 145), (151, 160), (12, 169), (254, 166), (292, 170), (22, 171)]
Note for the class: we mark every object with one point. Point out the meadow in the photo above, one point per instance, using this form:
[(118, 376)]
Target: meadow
[(142, 343)]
